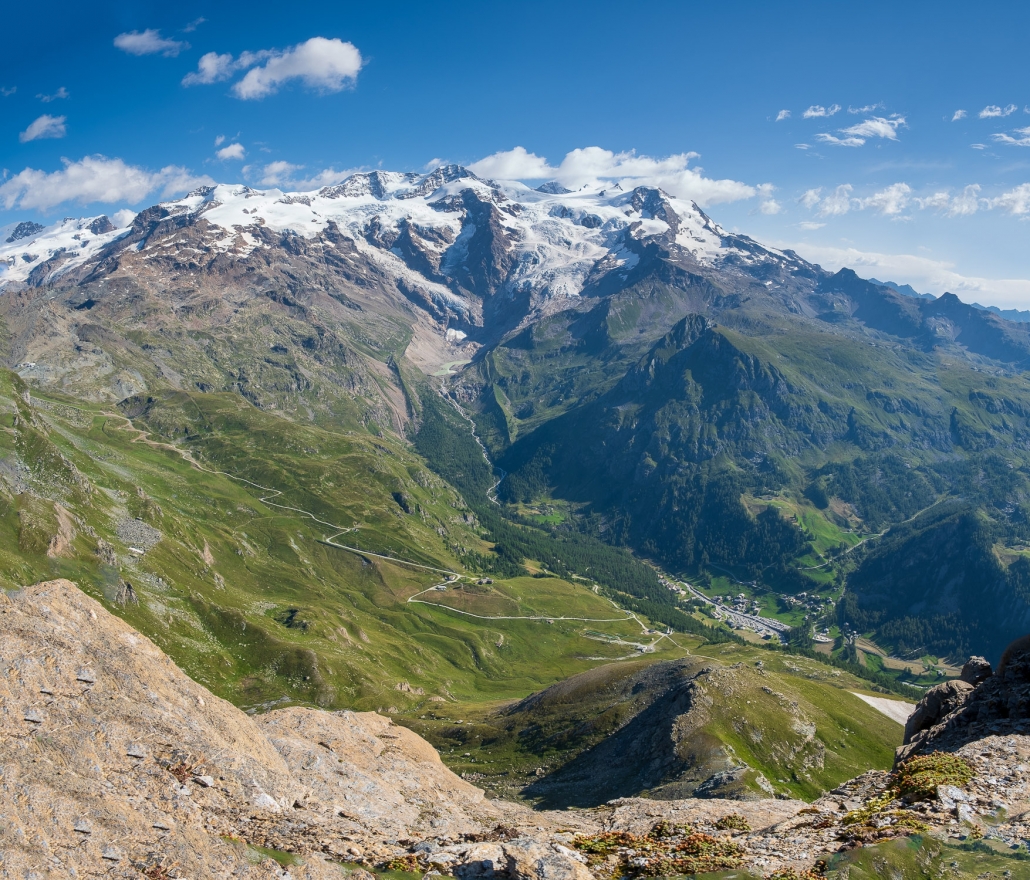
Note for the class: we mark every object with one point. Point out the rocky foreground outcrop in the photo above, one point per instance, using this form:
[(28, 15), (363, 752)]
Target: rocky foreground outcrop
[(114, 763)]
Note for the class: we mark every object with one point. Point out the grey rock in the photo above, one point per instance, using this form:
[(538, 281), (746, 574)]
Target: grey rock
[(976, 670), (533, 860)]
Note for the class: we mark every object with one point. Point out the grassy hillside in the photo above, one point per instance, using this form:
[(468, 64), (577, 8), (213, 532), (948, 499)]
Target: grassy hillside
[(727, 720), (250, 598)]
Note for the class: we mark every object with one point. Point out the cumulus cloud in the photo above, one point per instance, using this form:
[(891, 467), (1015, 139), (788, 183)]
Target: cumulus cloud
[(836, 203), (56, 96), (1015, 201), (992, 111), (770, 206), (45, 127), (594, 167), (211, 67), (276, 173), (890, 201), (320, 64), (817, 110), (219, 140), (961, 205), (783, 114), (123, 218), (93, 179), (959, 114), (233, 151), (874, 127), (1023, 139), (284, 175), (811, 197), (149, 42)]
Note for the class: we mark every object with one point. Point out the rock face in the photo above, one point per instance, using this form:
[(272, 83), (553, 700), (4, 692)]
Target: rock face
[(113, 761), (111, 756), (976, 705)]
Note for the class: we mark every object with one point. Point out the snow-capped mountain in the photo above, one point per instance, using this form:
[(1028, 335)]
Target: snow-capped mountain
[(450, 239)]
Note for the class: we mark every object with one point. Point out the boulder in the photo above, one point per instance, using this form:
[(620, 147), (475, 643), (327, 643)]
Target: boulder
[(939, 701), (529, 859)]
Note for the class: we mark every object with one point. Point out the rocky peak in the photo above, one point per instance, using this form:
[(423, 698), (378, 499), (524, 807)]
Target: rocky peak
[(435, 179), (25, 229)]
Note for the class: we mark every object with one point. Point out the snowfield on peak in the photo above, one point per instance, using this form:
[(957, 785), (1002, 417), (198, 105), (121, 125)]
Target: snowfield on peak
[(456, 243), (77, 240)]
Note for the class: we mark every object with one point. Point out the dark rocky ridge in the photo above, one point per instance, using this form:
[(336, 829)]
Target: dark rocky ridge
[(977, 705)]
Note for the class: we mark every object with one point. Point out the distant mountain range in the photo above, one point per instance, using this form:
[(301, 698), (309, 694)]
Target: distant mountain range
[(908, 290), (716, 404)]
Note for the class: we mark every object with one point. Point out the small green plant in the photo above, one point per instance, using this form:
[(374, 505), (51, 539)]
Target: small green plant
[(918, 778), (733, 822)]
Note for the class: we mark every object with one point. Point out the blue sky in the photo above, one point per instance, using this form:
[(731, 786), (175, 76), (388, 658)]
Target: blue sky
[(871, 168)]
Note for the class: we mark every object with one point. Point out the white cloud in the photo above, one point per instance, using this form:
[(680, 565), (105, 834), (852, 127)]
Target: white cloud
[(7, 92), (594, 166), (992, 111), (93, 179), (45, 127), (219, 140), (877, 126), (923, 273), (233, 151), (193, 25), (978, 146), (838, 202), (890, 201), (149, 42), (283, 174), (856, 135), (320, 64), (123, 218), (840, 142), (1022, 141), (1015, 201), (959, 114), (817, 110), (811, 197), (783, 114), (801, 146), (56, 96), (868, 108), (966, 203), (770, 206), (325, 177), (211, 67), (811, 225), (276, 173), (517, 164)]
